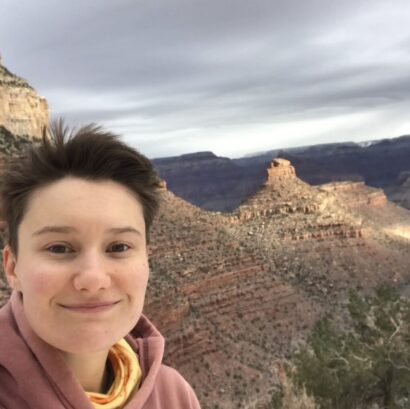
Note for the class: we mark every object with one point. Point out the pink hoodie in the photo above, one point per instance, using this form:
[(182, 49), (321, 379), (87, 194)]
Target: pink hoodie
[(33, 375)]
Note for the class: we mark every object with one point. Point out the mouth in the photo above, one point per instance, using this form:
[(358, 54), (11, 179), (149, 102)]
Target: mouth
[(92, 307)]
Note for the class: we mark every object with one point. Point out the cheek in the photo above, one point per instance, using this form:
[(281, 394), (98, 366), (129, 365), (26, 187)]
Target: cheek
[(42, 284), (136, 279), (37, 280), (133, 286), (139, 277)]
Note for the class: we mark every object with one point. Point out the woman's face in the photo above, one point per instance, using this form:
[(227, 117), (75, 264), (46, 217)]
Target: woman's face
[(82, 263)]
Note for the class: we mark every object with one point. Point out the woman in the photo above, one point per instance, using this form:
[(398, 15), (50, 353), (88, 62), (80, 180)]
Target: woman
[(78, 208)]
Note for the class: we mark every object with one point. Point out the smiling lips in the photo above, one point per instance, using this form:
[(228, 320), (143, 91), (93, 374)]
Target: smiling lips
[(92, 307)]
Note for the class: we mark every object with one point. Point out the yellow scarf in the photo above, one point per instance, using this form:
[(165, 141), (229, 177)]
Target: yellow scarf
[(127, 373)]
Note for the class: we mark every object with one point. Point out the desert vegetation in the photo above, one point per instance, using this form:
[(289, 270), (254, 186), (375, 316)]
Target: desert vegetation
[(361, 362)]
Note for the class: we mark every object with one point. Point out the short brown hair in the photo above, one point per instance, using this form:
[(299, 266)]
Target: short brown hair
[(89, 153)]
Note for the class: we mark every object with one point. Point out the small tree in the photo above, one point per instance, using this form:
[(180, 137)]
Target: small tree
[(369, 364), (290, 395)]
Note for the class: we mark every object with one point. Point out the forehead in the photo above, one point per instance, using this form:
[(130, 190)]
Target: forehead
[(77, 199)]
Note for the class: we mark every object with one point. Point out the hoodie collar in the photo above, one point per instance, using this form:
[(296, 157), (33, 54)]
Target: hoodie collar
[(145, 339)]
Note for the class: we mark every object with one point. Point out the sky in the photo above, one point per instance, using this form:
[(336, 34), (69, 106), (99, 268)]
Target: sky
[(228, 76)]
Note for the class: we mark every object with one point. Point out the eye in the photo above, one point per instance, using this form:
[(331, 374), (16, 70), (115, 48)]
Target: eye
[(59, 249), (118, 248)]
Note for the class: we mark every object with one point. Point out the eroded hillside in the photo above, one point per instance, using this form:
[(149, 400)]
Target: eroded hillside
[(220, 305), (231, 291)]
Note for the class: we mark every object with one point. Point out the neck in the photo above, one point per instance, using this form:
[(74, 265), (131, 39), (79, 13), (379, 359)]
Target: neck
[(89, 370)]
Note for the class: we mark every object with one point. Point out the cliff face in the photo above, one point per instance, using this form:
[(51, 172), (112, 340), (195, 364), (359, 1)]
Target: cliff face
[(22, 111), (356, 194), (372, 206)]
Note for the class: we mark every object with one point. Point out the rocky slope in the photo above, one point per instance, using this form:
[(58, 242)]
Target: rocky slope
[(22, 111), (330, 241), (232, 290), (210, 295)]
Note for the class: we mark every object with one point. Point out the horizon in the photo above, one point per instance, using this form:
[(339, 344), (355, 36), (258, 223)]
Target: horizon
[(233, 78), (362, 144)]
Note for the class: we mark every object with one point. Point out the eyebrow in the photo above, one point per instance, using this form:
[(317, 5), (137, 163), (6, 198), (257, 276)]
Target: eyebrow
[(69, 229), (125, 229), (54, 229)]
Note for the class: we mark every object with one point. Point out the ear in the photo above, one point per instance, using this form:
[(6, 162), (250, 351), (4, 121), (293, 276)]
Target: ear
[(9, 267)]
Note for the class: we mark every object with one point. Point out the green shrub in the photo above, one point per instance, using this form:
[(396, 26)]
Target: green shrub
[(366, 364)]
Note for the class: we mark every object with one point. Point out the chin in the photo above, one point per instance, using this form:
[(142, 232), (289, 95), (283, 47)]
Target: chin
[(88, 340), (91, 344), (90, 336)]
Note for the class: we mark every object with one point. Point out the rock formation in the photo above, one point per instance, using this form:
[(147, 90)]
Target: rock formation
[(356, 193), (279, 171), (285, 194), (370, 204), (22, 111)]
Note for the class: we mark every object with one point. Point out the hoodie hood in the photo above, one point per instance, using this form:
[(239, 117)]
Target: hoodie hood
[(38, 375)]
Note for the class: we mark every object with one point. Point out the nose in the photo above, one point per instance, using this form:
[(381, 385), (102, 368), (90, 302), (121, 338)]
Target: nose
[(92, 273)]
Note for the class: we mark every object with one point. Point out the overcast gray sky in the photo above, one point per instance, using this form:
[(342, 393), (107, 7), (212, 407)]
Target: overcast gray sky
[(230, 76)]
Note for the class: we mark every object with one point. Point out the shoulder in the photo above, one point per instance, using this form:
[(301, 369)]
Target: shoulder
[(9, 397), (5, 314), (170, 384), (168, 374)]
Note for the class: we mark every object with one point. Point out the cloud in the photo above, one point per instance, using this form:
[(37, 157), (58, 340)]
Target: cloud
[(182, 75)]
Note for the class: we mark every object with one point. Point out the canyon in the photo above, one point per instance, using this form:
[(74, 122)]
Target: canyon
[(379, 164), (235, 291)]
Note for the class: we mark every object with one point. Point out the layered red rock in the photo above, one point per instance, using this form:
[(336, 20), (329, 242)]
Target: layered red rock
[(225, 288), (305, 228), (371, 204), (356, 193), (220, 305), (285, 194), (280, 170)]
